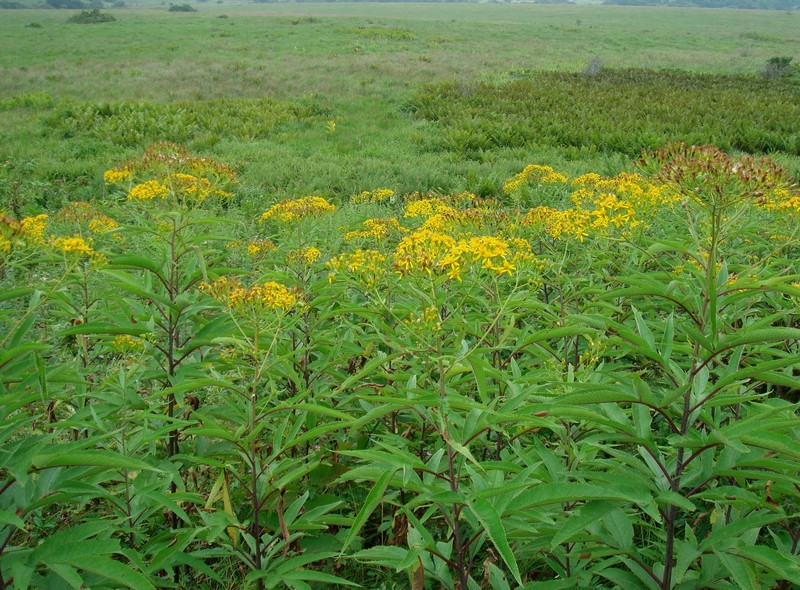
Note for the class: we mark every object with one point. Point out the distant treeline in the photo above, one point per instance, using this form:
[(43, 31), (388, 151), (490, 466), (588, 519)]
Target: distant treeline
[(72, 4), (752, 4)]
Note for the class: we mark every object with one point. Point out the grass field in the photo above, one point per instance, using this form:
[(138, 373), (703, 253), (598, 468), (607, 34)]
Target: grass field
[(312, 296), (355, 64)]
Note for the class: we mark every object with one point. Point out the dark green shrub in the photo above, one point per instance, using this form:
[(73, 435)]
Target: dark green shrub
[(181, 8), (88, 17), (778, 67)]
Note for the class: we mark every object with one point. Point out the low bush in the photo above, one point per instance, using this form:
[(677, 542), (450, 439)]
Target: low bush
[(181, 8), (93, 16)]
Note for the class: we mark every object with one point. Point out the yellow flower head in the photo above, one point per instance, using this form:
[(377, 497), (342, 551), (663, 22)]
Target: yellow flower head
[(78, 247), (270, 295), (126, 343), (193, 187), (31, 229), (428, 208), (259, 247), (377, 229), (102, 224), (149, 190), (117, 175), (296, 209), (533, 174), (365, 266), (306, 256), (487, 252), (73, 244), (422, 250)]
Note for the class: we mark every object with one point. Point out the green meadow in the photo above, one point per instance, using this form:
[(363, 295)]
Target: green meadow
[(382, 295), (359, 65)]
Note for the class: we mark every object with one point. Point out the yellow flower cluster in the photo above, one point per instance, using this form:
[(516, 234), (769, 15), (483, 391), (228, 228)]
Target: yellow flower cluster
[(117, 175), (377, 229), (270, 295), (464, 199), (126, 343), (306, 256), (259, 247), (163, 158), (8, 228), (23, 233), (102, 224), (641, 194), (32, 228), (298, 209), (533, 174), (148, 191), (377, 196), (422, 250), (558, 224), (428, 321), (605, 209), (254, 248), (366, 266), (603, 204), (171, 170), (76, 245), (428, 208), (178, 185), (489, 252), (194, 187), (83, 213), (497, 255), (781, 200), (72, 244)]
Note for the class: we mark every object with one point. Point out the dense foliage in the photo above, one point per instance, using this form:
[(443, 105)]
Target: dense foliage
[(583, 382), (207, 122), (616, 110)]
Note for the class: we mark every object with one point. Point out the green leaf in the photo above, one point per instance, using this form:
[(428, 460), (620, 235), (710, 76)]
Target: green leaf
[(488, 516), (68, 573), (384, 555), (643, 329), (779, 565), (580, 520), (555, 493), (9, 518), (619, 526), (740, 570), (671, 498), (9, 294), (622, 578), (69, 457), (137, 262), (112, 570), (315, 576), (758, 336), (371, 502)]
